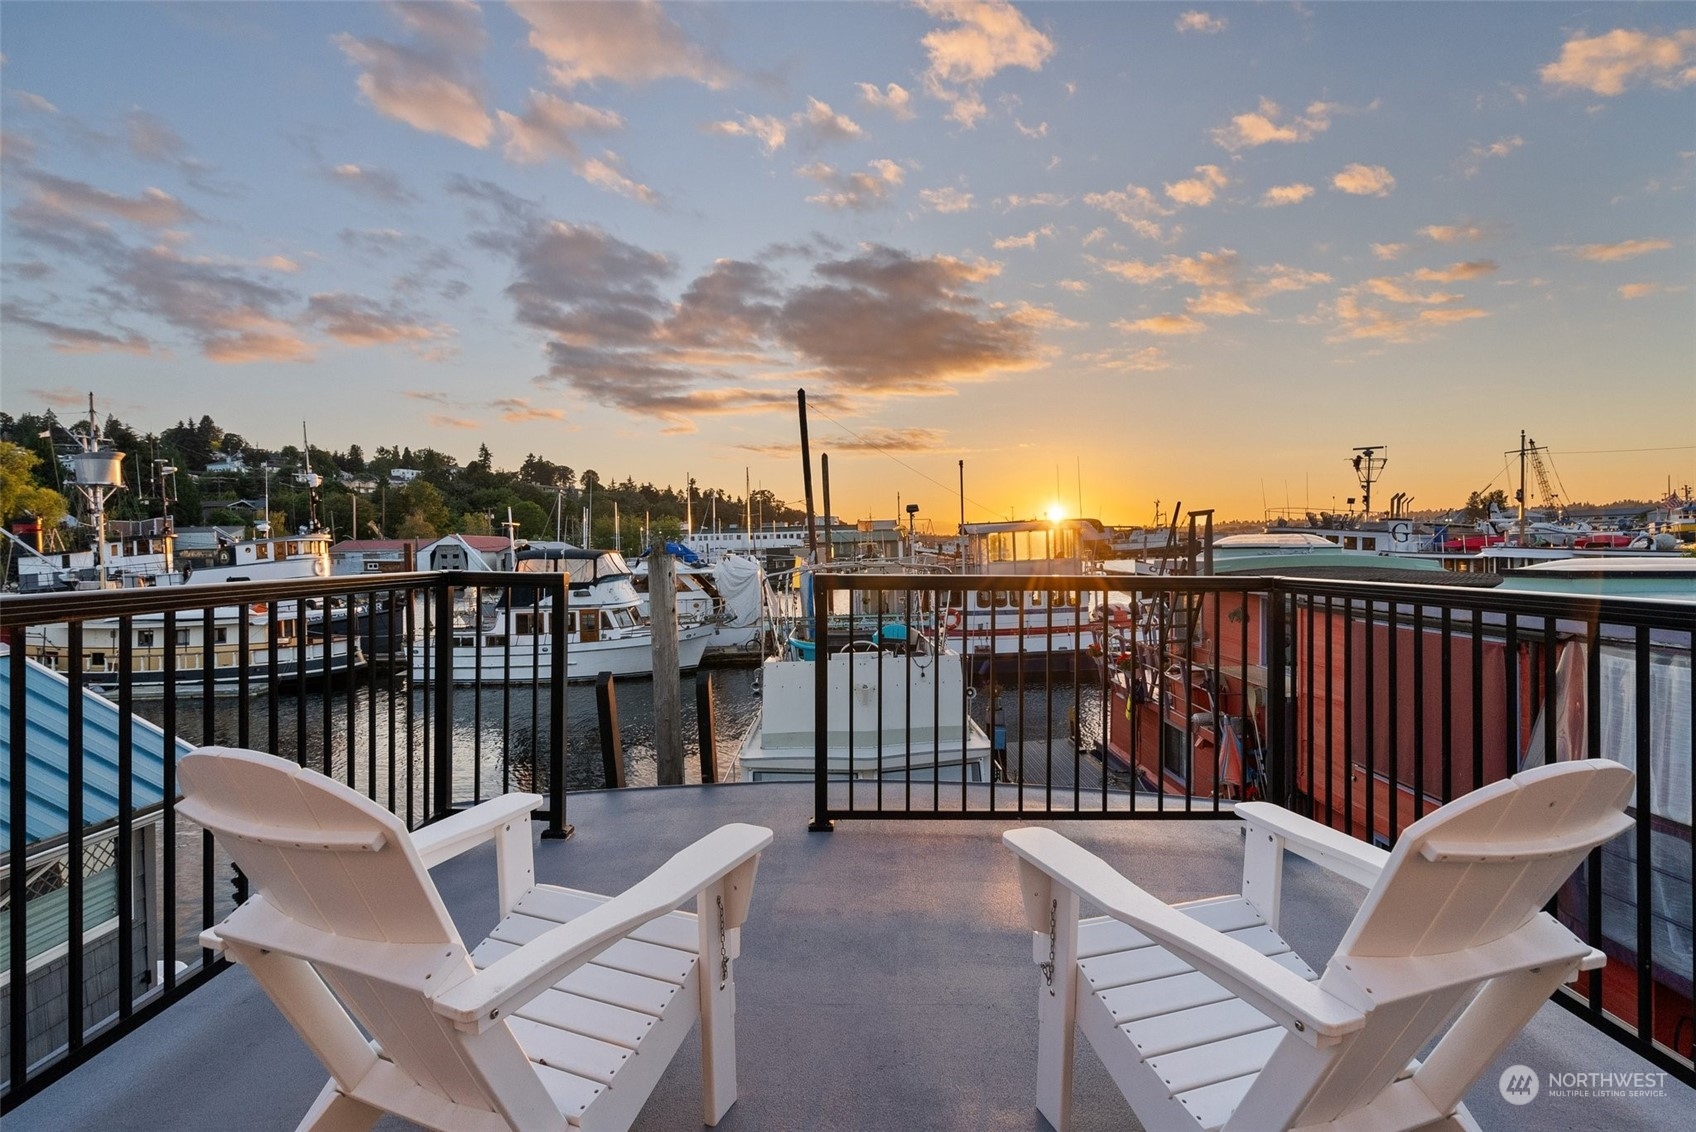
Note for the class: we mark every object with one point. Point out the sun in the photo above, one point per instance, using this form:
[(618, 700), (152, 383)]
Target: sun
[(1056, 512)]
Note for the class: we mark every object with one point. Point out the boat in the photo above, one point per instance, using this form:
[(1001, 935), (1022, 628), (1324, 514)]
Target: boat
[(905, 701), (730, 594), (505, 635), (1035, 628)]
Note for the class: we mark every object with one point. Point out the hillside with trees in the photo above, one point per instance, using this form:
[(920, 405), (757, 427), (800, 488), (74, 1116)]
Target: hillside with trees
[(202, 474)]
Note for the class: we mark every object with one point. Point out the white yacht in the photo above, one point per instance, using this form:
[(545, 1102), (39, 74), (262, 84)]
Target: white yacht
[(902, 706), (509, 638)]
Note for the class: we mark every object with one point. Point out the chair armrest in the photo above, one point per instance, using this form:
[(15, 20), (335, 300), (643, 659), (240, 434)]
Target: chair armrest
[(1280, 994), (1337, 852), (453, 835), (483, 999)]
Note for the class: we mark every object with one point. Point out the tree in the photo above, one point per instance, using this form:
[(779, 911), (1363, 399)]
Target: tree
[(19, 493), (1478, 505), (422, 505)]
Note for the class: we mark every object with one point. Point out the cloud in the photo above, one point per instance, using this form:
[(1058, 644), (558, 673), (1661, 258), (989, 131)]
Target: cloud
[(15, 147), (518, 410), (1201, 190), (279, 263), (815, 125), (823, 124), (151, 208), (1134, 206), (1477, 154), (883, 440), (1201, 22), (378, 183), (1638, 290), (1364, 180), (1165, 324), (428, 86), (1040, 130), (442, 420), (550, 127), (1457, 272), (1269, 123), (771, 132), (877, 322), (1388, 251), (1095, 236), (857, 191), (1148, 359), (33, 101), (1454, 233), (354, 320), (1359, 315), (1613, 253), (1028, 240), (606, 172), (633, 43), (74, 339), (894, 98), (1076, 286), (946, 199), (986, 36), (1224, 286), (1035, 200), (1279, 195), (1607, 64)]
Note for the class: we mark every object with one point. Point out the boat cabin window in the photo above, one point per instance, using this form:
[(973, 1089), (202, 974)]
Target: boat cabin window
[(524, 624), (263, 550), (619, 618), (220, 636), (182, 638), (1035, 597), (97, 660), (144, 639)]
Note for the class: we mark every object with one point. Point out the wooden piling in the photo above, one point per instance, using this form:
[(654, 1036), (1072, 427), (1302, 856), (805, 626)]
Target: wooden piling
[(705, 725), (612, 743), (668, 694)]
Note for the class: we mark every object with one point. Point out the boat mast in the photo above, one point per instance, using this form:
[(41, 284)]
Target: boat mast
[(99, 475), (1523, 541), (807, 480)]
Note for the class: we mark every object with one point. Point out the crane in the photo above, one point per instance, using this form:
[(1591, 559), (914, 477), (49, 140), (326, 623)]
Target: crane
[(1551, 498)]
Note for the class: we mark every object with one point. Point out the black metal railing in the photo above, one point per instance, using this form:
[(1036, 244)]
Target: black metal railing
[(1363, 705), (393, 684)]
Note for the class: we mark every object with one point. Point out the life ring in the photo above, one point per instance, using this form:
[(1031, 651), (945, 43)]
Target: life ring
[(952, 621)]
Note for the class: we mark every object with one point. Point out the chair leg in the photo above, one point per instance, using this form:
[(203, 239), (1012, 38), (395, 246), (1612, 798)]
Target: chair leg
[(335, 1111), (719, 947), (1057, 1009)]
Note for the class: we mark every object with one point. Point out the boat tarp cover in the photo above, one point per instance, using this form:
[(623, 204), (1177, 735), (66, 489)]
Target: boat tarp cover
[(741, 582)]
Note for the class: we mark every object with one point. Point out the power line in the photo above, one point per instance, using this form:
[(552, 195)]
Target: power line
[(880, 448), (1615, 451)]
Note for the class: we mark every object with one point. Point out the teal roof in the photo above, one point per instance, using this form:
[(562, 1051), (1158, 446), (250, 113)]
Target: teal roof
[(46, 711)]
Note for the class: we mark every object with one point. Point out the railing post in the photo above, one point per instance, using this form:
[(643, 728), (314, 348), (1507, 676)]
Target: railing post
[(560, 623), (16, 852), (442, 754), (705, 725), (612, 741), (821, 822), (1277, 691)]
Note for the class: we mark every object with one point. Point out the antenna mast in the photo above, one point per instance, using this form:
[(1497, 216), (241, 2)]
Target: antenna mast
[(1368, 464)]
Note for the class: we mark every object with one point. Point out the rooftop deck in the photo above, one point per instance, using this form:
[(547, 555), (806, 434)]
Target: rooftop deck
[(885, 983)]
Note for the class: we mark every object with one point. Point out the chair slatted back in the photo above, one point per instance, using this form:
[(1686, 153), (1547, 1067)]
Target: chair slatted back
[(328, 859), (1460, 878)]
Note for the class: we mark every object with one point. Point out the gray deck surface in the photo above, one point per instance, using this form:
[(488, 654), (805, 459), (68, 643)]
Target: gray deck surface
[(885, 983)]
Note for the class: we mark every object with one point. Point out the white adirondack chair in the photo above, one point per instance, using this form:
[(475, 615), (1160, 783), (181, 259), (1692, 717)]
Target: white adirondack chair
[(564, 1017), (1206, 1019)]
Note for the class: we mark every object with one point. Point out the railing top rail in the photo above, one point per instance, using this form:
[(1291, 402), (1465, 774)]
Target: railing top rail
[(1654, 612), (82, 605)]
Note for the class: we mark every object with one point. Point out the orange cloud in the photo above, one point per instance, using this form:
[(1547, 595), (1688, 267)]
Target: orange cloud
[(988, 36), (1364, 180), (1165, 324), (1613, 253), (633, 43), (1279, 195), (1607, 64)]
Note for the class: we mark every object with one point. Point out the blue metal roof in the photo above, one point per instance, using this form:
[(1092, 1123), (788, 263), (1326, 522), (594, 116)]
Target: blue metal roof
[(47, 779)]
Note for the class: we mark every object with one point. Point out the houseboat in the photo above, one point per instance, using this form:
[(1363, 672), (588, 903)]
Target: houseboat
[(1029, 627)]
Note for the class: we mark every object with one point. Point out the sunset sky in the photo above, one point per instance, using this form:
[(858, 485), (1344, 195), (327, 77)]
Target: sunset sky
[(1127, 251)]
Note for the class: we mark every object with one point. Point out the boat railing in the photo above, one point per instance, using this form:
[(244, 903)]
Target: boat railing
[(1363, 705)]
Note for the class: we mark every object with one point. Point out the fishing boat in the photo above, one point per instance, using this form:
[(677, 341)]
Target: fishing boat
[(506, 635), (904, 703)]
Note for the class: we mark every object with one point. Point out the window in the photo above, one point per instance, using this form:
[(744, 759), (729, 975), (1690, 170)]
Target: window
[(96, 660), (144, 639), (220, 636), (182, 638)]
